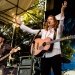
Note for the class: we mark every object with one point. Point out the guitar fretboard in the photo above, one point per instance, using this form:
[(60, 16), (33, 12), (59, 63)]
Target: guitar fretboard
[(64, 38)]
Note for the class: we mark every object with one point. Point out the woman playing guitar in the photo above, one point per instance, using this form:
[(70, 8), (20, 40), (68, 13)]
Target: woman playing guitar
[(52, 27)]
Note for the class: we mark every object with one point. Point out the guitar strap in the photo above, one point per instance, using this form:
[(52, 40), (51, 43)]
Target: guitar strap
[(55, 31), (51, 47)]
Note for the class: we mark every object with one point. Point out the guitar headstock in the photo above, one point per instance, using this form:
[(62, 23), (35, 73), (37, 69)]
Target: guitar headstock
[(70, 37)]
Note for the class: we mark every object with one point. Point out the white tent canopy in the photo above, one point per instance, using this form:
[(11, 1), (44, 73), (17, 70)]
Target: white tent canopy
[(10, 7)]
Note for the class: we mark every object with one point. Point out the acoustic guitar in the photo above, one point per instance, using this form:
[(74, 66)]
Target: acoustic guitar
[(44, 44)]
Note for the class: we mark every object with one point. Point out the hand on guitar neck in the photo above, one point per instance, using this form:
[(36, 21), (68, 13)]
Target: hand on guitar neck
[(11, 52), (15, 50)]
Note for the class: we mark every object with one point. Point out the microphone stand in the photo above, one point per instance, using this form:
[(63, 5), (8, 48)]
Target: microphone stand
[(10, 59), (32, 53)]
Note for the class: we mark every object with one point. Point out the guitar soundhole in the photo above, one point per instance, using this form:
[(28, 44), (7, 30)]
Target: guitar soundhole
[(44, 44)]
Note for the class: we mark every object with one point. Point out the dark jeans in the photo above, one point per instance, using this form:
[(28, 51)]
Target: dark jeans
[(49, 64)]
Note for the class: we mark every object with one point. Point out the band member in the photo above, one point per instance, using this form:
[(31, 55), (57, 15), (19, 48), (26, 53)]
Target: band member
[(50, 59), (5, 49)]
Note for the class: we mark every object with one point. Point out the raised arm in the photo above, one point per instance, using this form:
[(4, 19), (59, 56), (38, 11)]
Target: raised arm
[(18, 20), (28, 29), (61, 15)]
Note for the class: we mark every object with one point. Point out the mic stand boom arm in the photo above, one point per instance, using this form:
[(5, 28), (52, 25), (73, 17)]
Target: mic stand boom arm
[(32, 41)]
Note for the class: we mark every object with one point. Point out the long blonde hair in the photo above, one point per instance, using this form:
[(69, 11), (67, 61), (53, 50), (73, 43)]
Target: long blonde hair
[(45, 24)]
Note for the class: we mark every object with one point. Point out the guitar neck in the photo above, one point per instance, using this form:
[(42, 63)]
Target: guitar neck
[(5, 56), (57, 40), (61, 39), (11, 52)]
